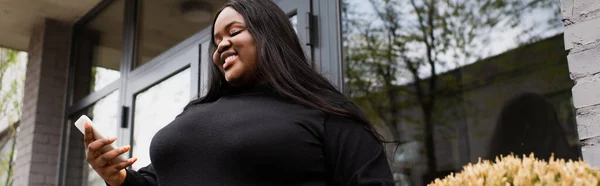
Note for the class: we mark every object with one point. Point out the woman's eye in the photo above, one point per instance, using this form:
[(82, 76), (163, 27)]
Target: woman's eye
[(235, 32)]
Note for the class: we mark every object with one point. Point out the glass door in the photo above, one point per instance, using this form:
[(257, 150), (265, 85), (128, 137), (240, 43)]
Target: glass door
[(157, 94), (155, 108)]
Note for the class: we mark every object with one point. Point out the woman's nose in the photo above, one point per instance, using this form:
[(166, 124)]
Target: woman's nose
[(224, 45)]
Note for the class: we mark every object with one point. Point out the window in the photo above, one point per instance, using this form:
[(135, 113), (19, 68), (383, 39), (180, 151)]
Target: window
[(459, 81), (105, 115), (294, 20), (99, 49), (154, 109), (163, 24)]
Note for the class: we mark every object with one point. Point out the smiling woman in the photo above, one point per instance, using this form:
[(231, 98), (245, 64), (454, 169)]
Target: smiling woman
[(236, 49), (268, 118)]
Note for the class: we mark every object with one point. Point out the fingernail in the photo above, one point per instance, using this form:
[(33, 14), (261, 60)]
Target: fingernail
[(112, 138), (133, 160), (126, 148)]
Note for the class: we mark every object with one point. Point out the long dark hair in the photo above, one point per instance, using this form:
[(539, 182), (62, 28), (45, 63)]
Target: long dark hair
[(282, 64)]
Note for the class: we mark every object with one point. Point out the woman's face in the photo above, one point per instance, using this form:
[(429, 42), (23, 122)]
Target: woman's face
[(236, 50)]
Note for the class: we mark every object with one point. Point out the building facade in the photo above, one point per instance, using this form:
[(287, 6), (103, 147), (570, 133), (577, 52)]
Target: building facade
[(132, 65)]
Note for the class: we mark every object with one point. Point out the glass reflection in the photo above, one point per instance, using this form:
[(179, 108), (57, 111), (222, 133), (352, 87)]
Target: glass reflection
[(154, 109), (529, 123), (99, 47), (437, 76), (294, 20), (105, 115), (163, 24)]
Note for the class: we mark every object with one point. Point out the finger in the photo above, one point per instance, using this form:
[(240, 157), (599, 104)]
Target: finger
[(95, 146), (110, 155), (115, 168), (91, 156), (89, 134)]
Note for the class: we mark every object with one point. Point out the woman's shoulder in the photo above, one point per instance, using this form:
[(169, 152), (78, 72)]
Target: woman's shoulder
[(194, 103)]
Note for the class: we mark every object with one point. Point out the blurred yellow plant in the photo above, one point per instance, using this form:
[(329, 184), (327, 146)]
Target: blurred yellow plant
[(514, 171)]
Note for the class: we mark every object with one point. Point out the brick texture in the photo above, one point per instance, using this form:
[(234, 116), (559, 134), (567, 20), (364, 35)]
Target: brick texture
[(43, 105), (566, 8), (588, 122), (586, 92), (586, 9), (585, 63), (590, 149), (582, 33), (582, 39)]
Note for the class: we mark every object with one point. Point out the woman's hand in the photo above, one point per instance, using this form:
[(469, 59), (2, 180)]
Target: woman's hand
[(112, 173)]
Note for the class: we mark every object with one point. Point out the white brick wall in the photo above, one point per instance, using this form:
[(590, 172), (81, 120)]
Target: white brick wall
[(582, 39), (578, 34), (579, 63), (583, 9), (588, 120), (586, 91)]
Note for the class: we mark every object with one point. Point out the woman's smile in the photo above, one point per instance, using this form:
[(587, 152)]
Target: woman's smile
[(229, 61)]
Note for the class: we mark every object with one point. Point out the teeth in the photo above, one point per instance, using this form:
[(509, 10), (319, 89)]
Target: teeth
[(230, 57)]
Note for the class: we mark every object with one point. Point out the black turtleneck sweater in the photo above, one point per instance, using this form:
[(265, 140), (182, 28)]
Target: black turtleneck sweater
[(256, 137)]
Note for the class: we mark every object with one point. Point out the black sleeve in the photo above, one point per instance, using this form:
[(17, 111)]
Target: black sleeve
[(353, 155), (144, 176)]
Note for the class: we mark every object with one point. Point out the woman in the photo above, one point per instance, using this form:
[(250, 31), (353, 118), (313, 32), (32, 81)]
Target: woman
[(268, 118)]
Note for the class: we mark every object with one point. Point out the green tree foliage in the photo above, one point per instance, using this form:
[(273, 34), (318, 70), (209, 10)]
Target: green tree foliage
[(8, 92), (10, 108)]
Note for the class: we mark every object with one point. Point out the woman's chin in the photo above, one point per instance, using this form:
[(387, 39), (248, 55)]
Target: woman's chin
[(232, 79)]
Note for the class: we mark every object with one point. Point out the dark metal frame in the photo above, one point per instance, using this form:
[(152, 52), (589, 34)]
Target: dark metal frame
[(328, 40), (319, 30), (93, 97), (64, 147), (302, 10)]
